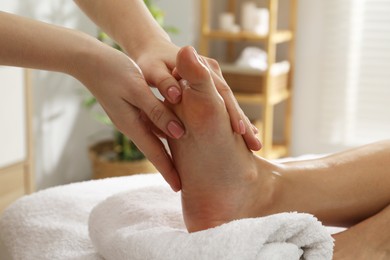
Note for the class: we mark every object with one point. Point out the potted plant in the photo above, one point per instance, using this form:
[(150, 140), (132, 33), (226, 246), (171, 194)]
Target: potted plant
[(119, 156)]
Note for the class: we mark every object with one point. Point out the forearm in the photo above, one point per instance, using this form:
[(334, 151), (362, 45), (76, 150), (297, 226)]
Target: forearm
[(128, 22), (33, 44)]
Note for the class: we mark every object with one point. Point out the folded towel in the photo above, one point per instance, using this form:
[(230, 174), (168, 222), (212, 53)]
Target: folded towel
[(147, 224)]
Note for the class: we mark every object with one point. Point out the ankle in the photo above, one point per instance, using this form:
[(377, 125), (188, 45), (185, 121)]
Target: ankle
[(269, 185)]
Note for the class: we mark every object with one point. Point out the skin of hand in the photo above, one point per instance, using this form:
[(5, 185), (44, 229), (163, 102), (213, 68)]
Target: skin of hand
[(119, 86), (114, 79), (158, 65), (127, 22)]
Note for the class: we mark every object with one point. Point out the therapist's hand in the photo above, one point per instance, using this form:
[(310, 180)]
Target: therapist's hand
[(157, 60), (112, 77), (119, 86)]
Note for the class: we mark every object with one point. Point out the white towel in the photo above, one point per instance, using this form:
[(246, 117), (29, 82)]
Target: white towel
[(147, 224), (52, 224)]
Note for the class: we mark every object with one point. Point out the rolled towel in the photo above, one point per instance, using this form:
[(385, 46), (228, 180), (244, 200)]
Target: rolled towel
[(148, 224)]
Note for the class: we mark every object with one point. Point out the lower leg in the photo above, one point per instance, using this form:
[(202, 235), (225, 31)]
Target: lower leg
[(369, 239), (342, 189)]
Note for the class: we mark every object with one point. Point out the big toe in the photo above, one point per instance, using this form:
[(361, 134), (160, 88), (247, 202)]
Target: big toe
[(192, 68)]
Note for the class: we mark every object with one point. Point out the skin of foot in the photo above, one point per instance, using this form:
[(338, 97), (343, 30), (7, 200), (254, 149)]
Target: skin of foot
[(221, 178), (223, 181)]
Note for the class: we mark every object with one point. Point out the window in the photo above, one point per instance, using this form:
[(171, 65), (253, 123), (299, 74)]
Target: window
[(355, 72)]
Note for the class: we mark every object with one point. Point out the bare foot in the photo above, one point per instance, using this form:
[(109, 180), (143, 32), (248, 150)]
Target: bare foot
[(221, 179)]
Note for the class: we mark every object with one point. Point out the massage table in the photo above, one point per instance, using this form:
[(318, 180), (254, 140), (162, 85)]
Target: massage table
[(56, 224)]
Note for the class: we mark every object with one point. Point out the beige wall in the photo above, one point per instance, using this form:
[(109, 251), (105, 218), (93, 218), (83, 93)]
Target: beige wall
[(12, 116)]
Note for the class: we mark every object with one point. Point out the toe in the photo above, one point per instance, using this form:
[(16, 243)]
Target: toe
[(192, 68)]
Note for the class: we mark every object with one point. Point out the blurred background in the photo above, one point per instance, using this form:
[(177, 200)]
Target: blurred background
[(340, 96)]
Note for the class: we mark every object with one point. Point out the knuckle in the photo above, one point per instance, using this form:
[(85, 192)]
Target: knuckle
[(164, 81), (159, 75), (156, 113)]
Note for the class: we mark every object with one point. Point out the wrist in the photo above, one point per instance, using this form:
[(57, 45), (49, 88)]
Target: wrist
[(142, 45), (86, 57)]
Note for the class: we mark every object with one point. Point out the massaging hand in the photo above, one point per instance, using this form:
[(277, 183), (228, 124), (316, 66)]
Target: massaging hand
[(148, 44), (157, 60), (119, 86), (110, 75)]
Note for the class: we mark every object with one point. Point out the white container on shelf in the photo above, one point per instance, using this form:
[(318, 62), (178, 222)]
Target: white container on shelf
[(261, 21), (254, 19), (248, 15), (227, 23)]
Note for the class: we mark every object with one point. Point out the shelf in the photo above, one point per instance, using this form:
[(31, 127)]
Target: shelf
[(277, 69), (256, 99), (248, 84), (278, 37), (250, 98)]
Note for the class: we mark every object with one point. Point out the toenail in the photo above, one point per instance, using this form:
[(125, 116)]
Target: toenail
[(174, 94), (175, 129)]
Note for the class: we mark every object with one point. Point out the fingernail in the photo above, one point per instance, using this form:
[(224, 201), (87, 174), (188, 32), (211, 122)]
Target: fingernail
[(174, 94), (242, 127), (175, 129), (255, 130)]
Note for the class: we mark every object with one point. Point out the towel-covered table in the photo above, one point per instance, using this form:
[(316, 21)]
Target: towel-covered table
[(139, 217)]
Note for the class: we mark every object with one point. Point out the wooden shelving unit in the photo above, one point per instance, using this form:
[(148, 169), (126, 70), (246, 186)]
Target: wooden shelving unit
[(252, 87), (278, 37)]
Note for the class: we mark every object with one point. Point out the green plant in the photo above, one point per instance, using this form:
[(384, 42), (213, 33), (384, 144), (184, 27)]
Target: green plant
[(124, 148)]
